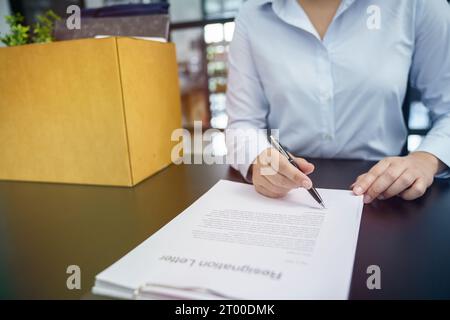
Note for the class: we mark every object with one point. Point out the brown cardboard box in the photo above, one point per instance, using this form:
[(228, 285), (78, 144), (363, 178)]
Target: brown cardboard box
[(92, 111)]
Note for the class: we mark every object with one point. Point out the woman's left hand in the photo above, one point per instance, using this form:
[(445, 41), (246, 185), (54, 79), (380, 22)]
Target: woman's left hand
[(409, 177)]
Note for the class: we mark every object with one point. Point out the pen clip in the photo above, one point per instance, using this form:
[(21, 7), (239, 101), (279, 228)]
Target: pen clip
[(278, 146)]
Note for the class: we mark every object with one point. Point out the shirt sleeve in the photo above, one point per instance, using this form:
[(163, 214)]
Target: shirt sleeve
[(430, 74), (247, 107)]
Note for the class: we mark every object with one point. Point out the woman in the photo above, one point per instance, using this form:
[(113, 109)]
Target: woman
[(331, 76)]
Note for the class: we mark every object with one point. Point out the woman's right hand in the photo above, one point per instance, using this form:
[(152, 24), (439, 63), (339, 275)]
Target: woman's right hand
[(273, 176)]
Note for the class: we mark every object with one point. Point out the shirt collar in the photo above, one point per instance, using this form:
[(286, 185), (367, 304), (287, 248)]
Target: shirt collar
[(292, 13), (345, 3)]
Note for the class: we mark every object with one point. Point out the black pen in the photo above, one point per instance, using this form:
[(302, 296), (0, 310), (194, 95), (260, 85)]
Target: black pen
[(312, 191)]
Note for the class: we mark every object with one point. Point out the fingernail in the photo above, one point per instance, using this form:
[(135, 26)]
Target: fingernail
[(306, 184), (381, 197), (367, 199), (358, 190)]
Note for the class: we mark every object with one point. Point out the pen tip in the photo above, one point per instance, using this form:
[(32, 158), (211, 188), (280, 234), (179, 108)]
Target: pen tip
[(323, 205)]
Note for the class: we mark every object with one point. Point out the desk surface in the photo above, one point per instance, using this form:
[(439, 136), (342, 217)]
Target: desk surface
[(46, 227)]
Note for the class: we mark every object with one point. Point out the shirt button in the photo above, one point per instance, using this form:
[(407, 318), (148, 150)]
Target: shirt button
[(327, 137), (325, 96)]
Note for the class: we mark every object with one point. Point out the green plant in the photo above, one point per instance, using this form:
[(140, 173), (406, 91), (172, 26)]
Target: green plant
[(42, 30), (18, 34)]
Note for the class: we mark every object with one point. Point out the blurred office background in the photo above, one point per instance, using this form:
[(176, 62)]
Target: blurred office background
[(202, 31)]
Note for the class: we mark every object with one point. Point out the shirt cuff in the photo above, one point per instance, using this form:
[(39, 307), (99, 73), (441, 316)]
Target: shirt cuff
[(440, 152), (243, 151)]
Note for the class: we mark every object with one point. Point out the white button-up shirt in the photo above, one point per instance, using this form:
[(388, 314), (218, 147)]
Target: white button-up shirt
[(340, 97)]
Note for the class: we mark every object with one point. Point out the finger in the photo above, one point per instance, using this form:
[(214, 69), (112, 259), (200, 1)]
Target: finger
[(267, 193), (264, 182), (286, 169), (282, 182), (401, 184), (354, 183), (364, 181), (383, 182), (415, 191), (305, 166), (380, 167)]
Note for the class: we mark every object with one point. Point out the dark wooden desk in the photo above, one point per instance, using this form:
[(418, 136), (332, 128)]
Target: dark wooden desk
[(46, 227)]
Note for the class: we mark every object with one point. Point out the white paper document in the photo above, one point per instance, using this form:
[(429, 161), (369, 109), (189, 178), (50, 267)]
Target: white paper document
[(233, 243)]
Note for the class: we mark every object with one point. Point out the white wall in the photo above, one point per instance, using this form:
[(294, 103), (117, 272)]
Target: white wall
[(4, 11), (181, 11), (93, 3), (185, 10)]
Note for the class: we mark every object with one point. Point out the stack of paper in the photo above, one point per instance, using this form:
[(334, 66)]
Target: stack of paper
[(233, 243)]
